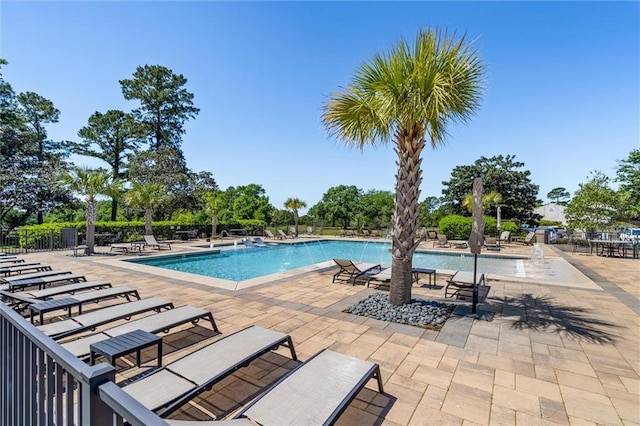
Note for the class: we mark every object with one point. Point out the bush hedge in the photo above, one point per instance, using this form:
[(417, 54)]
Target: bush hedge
[(457, 227), (134, 230)]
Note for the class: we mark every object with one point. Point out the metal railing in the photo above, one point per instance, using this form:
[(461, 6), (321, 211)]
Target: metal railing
[(25, 241), (41, 383)]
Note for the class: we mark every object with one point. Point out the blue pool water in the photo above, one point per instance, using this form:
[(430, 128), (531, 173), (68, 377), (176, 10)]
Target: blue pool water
[(245, 263)]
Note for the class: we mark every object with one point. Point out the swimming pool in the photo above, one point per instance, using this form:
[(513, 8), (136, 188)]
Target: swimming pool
[(242, 263)]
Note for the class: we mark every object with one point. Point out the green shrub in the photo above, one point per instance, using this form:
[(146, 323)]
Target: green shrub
[(511, 227), (457, 227)]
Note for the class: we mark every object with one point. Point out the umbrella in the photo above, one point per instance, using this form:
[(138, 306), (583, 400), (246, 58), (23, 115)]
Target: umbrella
[(476, 239), (499, 218)]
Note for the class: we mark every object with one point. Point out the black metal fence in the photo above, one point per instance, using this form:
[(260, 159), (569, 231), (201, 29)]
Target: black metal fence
[(41, 383), (26, 241)]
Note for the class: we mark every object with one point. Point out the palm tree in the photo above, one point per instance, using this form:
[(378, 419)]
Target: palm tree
[(491, 198), (214, 202), (145, 195), (294, 204), (409, 96), (90, 184)]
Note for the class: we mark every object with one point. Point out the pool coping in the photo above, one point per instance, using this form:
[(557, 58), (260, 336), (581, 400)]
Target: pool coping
[(535, 274)]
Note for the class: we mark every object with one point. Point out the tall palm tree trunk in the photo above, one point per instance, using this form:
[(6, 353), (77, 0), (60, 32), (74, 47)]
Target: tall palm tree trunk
[(147, 221), (405, 212), (90, 216), (114, 208)]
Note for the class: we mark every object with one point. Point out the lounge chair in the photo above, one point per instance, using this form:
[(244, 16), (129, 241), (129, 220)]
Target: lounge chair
[(150, 240), (23, 300), (491, 243), (68, 289), (316, 392), (528, 240), (462, 280), (309, 230), (269, 234), (460, 244), (8, 260), (127, 247), (43, 306), (167, 389), (163, 321), (350, 271), (380, 277), (93, 319), (432, 235), (281, 234), (41, 281), (504, 237), (442, 241), (36, 267), (383, 277)]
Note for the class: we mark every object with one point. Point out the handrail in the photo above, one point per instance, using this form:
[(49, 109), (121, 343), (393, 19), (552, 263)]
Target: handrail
[(128, 407), (55, 387)]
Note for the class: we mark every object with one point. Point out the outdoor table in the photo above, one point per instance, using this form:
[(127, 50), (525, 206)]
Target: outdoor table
[(124, 344), (611, 248), (431, 272), (53, 305)]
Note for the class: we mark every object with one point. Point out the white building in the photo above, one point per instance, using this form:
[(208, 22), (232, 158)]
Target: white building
[(553, 212)]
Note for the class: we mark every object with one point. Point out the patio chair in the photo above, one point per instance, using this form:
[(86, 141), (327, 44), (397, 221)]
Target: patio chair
[(462, 280), (163, 321), (491, 243), (379, 277), (36, 267), (528, 240), (316, 392), (460, 244), (68, 289), (79, 299), (281, 234), (150, 240), (10, 260), (442, 241), (505, 236), (383, 277), (41, 281), (432, 235), (350, 271), (167, 389), (98, 317), (269, 234)]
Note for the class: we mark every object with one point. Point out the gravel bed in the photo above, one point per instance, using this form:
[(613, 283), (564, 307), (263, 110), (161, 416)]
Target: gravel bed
[(419, 312)]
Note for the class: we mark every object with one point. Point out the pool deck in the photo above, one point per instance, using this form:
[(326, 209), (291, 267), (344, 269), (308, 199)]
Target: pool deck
[(561, 346)]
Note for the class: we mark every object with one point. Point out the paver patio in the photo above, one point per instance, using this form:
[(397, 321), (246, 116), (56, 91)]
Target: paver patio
[(545, 353)]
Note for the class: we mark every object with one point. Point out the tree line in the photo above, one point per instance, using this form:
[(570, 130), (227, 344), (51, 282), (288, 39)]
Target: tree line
[(142, 153)]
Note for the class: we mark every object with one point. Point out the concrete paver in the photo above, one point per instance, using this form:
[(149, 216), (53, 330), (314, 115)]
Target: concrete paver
[(562, 347)]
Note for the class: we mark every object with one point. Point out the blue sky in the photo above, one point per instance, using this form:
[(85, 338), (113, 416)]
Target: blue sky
[(562, 92)]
